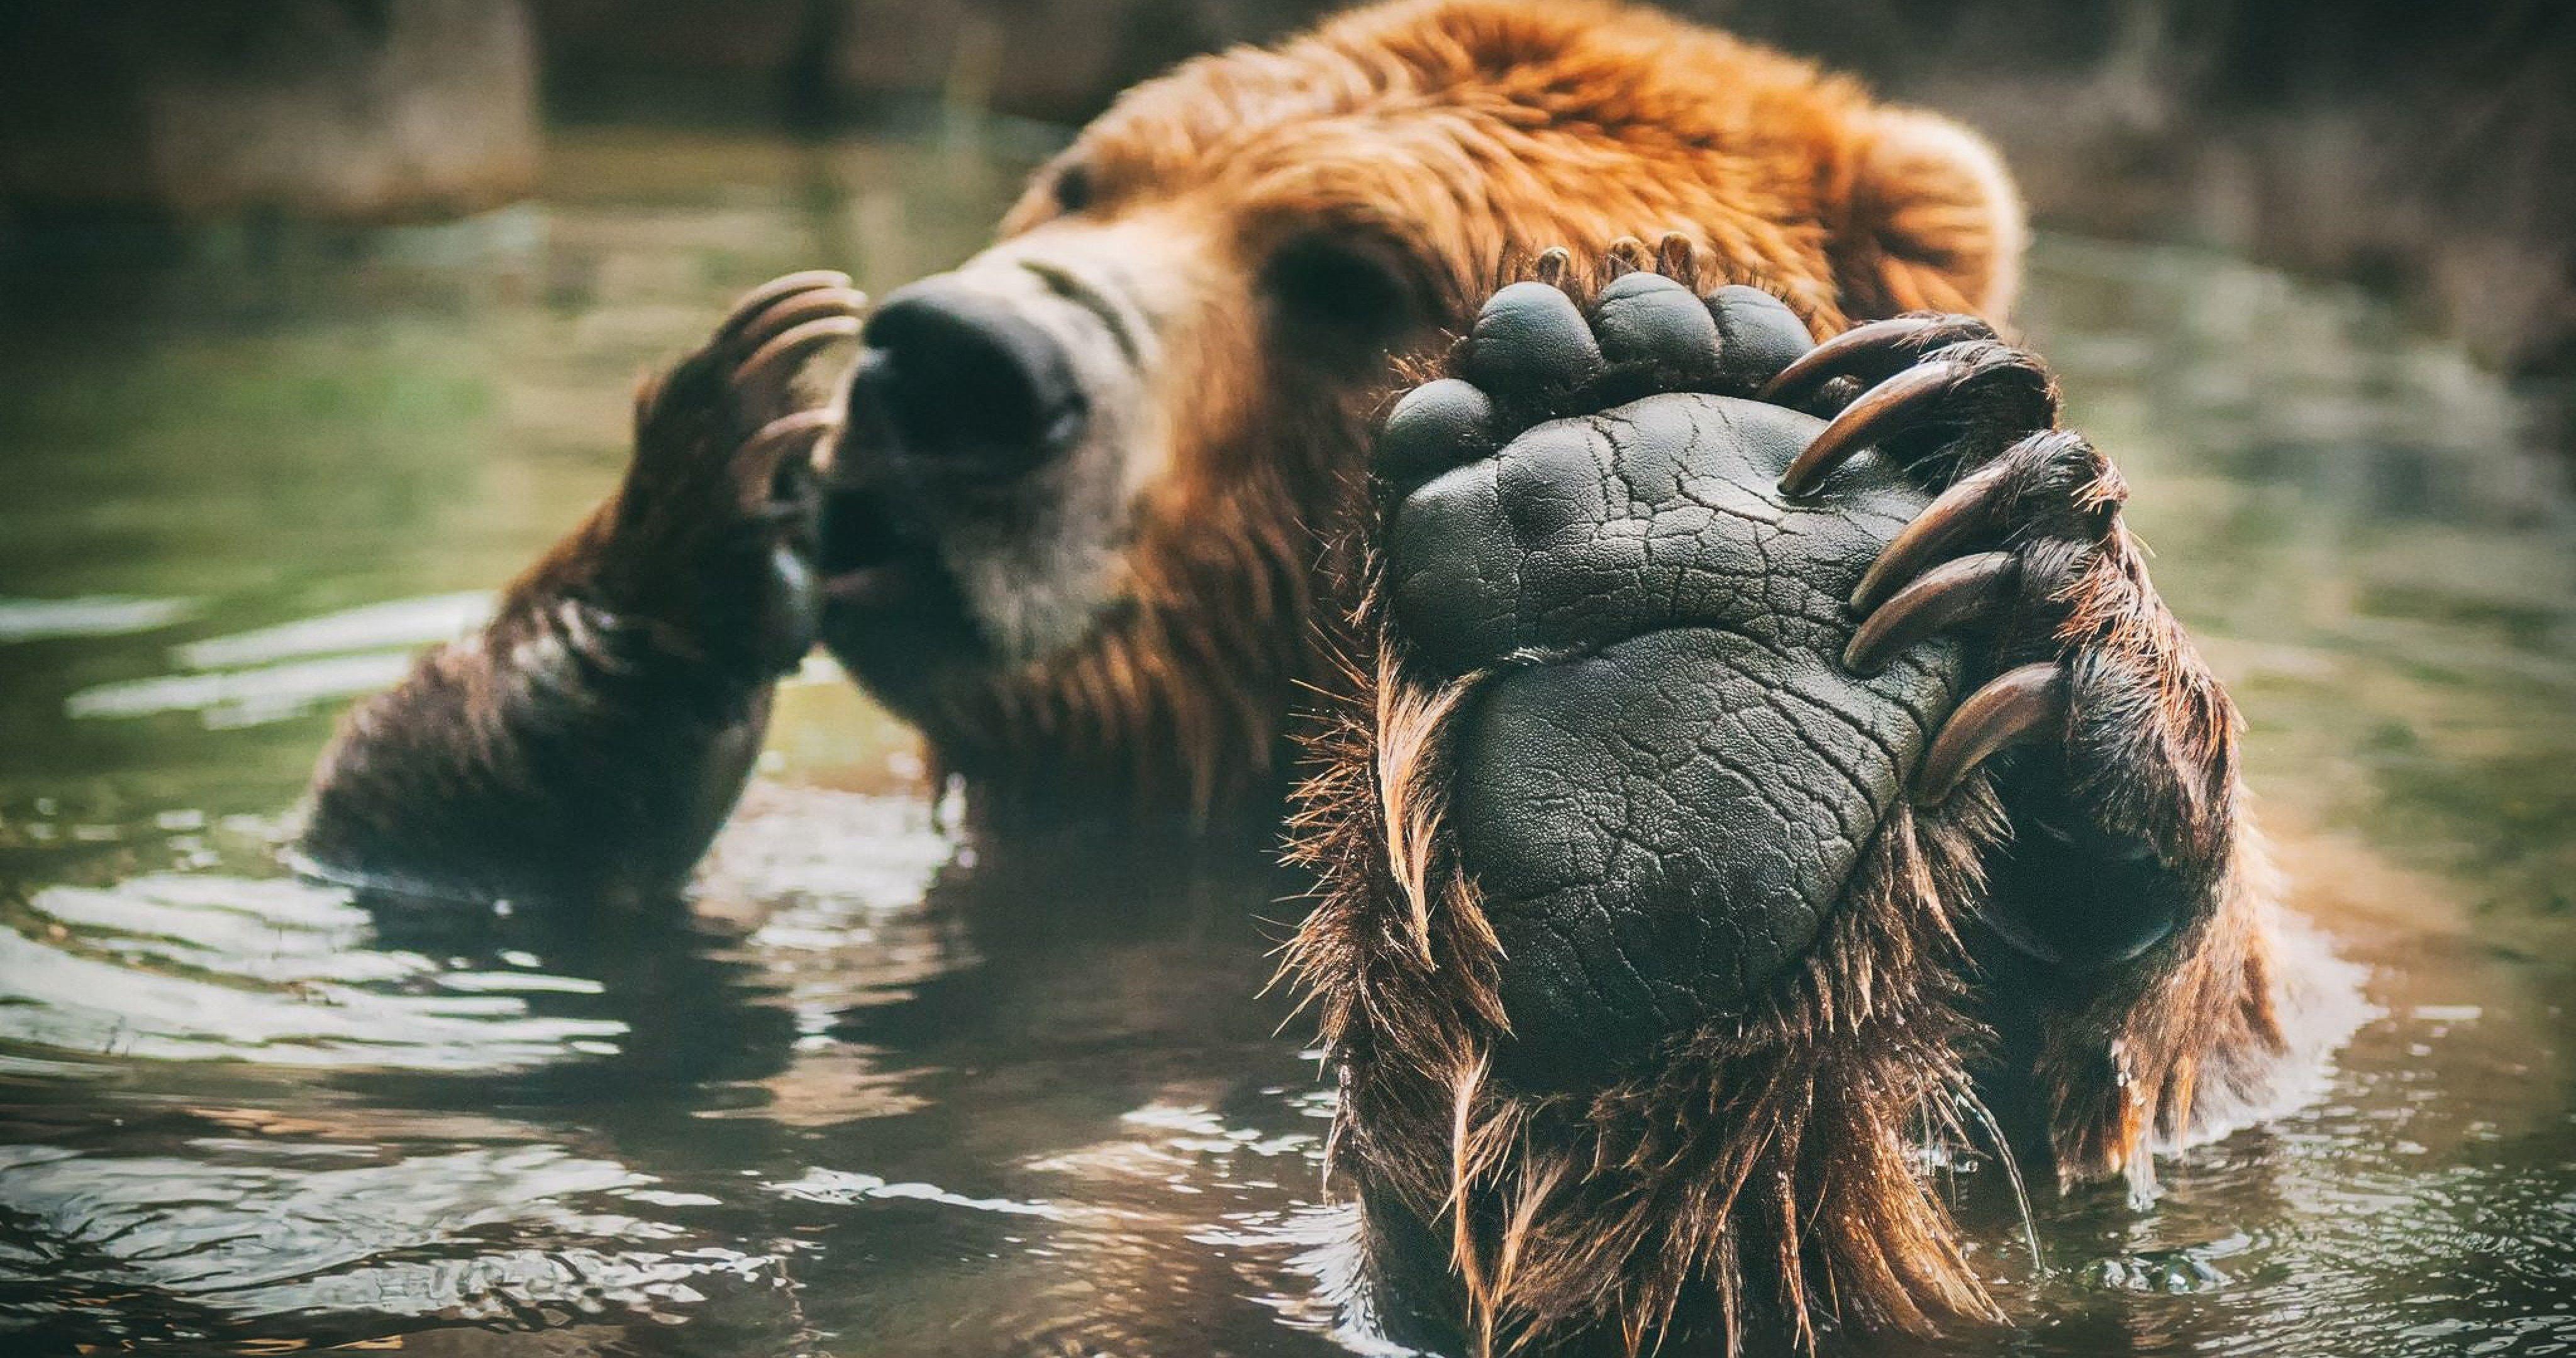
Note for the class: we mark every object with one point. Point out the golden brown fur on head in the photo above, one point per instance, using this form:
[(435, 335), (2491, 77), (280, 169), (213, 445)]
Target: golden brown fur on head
[(1470, 134), (1273, 226)]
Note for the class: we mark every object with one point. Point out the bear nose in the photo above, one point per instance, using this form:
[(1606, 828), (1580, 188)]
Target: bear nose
[(965, 384)]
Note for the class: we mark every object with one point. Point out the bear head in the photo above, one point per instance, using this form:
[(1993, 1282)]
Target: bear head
[(1093, 508)]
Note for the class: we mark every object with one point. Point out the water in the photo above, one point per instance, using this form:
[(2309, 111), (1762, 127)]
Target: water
[(878, 1096)]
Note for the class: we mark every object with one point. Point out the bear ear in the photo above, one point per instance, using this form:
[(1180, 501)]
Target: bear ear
[(1934, 221)]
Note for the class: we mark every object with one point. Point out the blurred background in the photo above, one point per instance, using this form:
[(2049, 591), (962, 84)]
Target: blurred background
[(317, 322), (2423, 150)]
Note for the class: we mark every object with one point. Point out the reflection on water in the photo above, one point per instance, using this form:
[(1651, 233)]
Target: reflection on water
[(875, 1095), (207, 967)]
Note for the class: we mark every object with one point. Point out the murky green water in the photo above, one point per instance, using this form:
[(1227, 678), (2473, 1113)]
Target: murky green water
[(879, 1097)]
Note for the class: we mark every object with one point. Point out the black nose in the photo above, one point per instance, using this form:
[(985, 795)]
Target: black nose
[(963, 383)]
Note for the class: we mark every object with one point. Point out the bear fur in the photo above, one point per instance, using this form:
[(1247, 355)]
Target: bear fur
[(591, 740)]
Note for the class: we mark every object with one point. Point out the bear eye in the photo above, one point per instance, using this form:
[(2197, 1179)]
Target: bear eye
[(1072, 188), (1353, 290)]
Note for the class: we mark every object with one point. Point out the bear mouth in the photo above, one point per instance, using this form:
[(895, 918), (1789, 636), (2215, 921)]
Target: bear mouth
[(892, 613), (864, 557)]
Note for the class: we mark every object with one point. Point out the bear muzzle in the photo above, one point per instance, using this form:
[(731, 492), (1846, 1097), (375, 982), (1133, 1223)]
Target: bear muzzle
[(996, 433)]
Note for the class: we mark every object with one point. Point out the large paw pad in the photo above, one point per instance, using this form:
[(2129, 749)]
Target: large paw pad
[(1665, 784)]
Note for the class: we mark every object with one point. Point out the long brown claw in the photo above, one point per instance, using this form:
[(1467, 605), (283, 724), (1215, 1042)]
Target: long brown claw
[(752, 304), (2016, 705), (1969, 507), (780, 355), (1950, 595), (811, 305), (1855, 348), (1904, 402), (1553, 262), (779, 435)]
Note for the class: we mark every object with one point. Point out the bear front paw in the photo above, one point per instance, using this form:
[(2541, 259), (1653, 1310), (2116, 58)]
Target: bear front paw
[(1666, 774), (711, 537), (2024, 555)]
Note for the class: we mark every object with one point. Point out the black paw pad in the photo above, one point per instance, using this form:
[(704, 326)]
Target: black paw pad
[(1650, 321), (1437, 425), (1529, 338), (1758, 335)]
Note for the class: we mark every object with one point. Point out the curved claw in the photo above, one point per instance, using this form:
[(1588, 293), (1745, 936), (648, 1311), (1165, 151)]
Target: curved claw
[(1676, 257), (1626, 255), (1950, 595), (789, 313), (2016, 705), (780, 355), (750, 305), (1853, 349), (1895, 406), (1970, 506), (779, 435), (1552, 265)]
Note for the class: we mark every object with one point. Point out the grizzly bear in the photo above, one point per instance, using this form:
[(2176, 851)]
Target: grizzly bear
[(1730, 759)]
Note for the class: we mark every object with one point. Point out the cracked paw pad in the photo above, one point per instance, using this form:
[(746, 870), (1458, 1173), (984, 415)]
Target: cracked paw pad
[(1668, 782)]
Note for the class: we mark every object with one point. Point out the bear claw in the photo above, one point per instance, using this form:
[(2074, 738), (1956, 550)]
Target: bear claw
[(753, 305), (2020, 704), (1869, 351), (783, 352), (786, 444), (2033, 508), (1952, 595), (1972, 506), (1903, 403)]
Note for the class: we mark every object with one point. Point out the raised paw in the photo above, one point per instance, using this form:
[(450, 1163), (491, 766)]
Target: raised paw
[(2130, 798), (1665, 774), (1661, 844), (713, 530)]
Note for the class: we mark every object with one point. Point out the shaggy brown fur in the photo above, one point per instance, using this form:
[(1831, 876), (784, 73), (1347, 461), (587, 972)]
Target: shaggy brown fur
[(2128, 1058), (589, 741)]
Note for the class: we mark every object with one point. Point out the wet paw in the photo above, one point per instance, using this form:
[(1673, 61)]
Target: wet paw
[(1666, 772), (2024, 556), (713, 532)]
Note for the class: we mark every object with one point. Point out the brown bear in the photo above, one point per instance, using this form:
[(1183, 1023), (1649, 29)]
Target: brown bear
[(1734, 757)]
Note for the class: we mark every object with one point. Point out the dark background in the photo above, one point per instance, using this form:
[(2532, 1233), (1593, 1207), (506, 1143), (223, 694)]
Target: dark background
[(2423, 150)]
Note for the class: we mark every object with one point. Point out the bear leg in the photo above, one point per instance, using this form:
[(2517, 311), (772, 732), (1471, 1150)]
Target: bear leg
[(1711, 755), (588, 742)]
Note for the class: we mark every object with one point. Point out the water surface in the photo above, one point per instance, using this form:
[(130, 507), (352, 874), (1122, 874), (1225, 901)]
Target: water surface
[(878, 1095)]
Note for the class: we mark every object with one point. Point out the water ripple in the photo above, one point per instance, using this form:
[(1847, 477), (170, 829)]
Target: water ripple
[(202, 967)]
